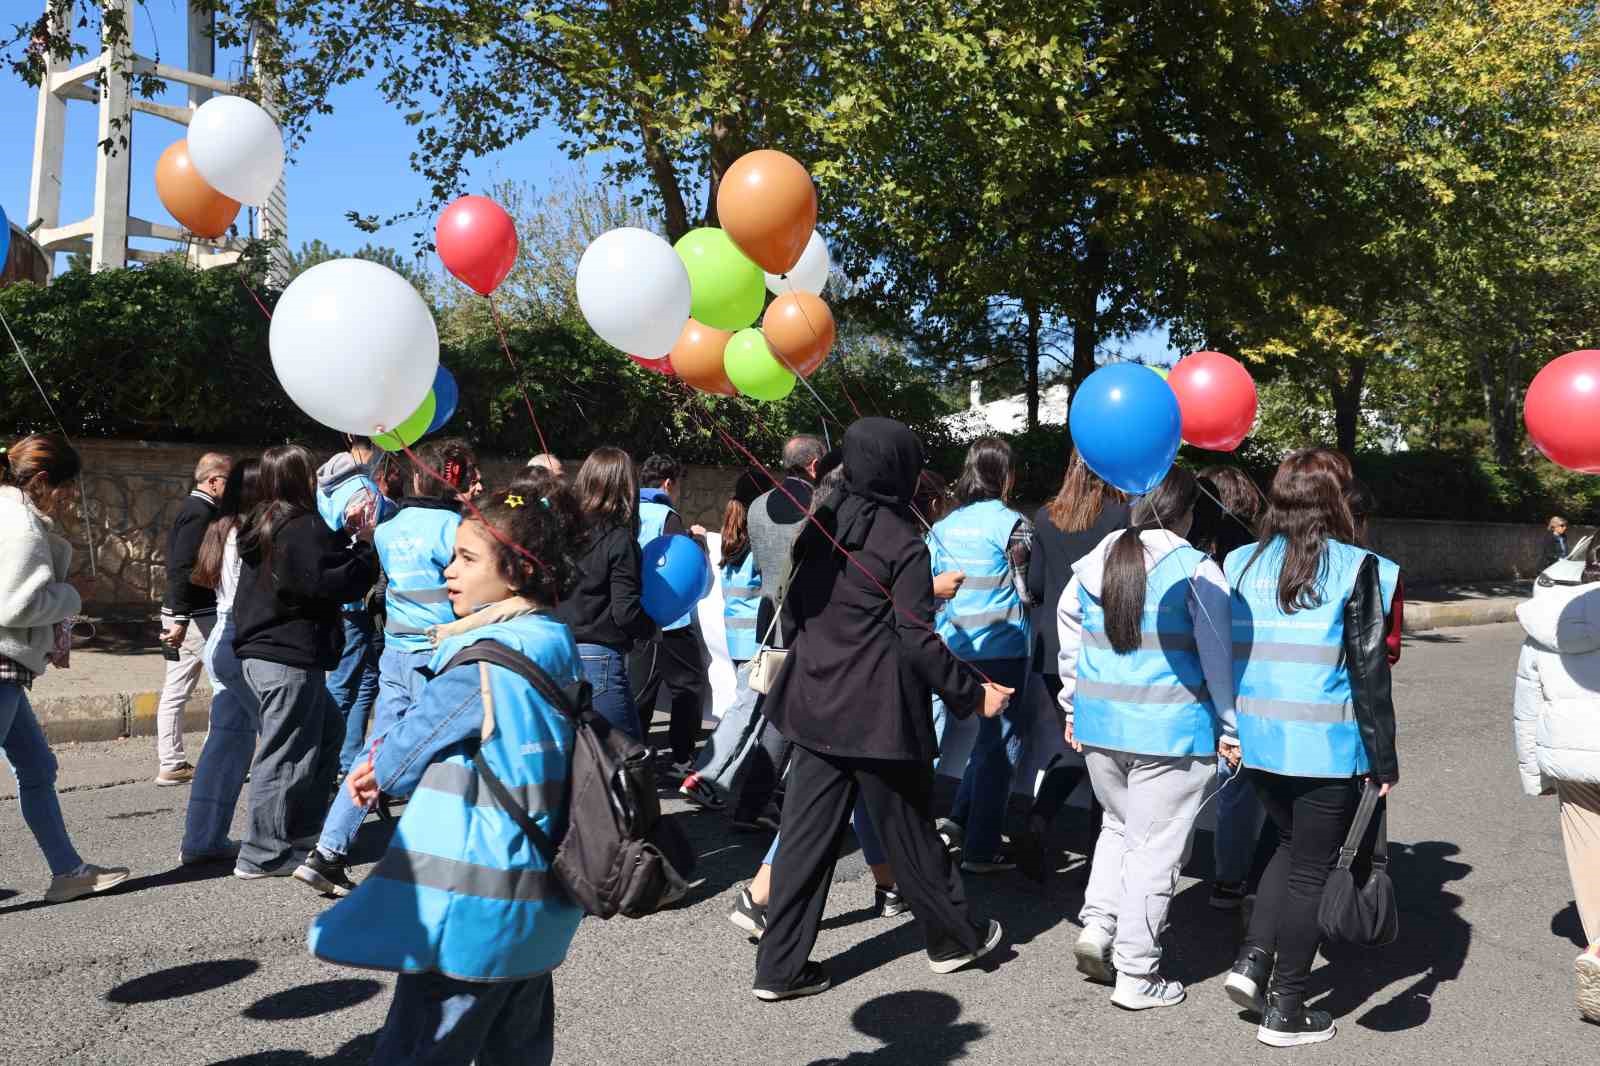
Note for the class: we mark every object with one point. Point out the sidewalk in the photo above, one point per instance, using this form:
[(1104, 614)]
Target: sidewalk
[(1445, 606)]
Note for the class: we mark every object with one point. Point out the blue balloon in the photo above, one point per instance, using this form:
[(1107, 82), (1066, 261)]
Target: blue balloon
[(1126, 424), (673, 577), (5, 237), (445, 397)]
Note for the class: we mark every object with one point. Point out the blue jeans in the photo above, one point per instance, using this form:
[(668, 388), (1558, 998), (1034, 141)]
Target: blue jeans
[(35, 766), (399, 689), (981, 800), (871, 848), (1239, 818), (354, 684), (230, 746), (441, 1021), (607, 672)]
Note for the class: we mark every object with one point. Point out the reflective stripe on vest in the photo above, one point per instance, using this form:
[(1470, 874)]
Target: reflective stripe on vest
[(652, 524), (415, 546), (462, 878), (1153, 700), (741, 601), (1292, 683), (986, 618)]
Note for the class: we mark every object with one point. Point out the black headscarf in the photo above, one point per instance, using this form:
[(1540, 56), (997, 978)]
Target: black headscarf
[(882, 460)]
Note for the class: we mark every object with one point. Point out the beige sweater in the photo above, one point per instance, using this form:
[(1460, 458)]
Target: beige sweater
[(34, 594)]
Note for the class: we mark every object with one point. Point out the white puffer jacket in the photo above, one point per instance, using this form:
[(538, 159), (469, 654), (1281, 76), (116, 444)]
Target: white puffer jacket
[(1557, 702)]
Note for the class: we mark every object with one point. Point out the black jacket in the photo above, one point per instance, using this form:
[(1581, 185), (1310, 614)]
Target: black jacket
[(185, 599), (1367, 657), (603, 606), (1050, 568), (292, 614)]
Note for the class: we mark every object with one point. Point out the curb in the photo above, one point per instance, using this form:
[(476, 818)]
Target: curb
[(113, 716), (1422, 617)]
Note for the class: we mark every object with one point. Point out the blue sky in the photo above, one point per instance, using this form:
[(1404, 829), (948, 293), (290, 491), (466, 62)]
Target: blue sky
[(354, 159)]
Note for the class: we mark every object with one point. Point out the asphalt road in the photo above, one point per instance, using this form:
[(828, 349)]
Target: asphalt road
[(204, 968)]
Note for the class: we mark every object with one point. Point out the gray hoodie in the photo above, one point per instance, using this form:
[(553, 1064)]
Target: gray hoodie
[(1209, 606)]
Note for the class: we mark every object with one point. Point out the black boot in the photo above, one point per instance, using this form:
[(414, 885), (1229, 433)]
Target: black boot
[(1288, 1023), (1247, 983)]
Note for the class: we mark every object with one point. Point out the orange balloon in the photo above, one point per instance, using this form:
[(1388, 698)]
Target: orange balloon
[(799, 330), (767, 204), (198, 207), (697, 358)]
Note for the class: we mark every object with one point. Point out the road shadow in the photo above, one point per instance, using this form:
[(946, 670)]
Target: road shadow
[(355, 1051), (1430, 637), (1565, 924), (308, 1001), (187, 980), (917, 1026)]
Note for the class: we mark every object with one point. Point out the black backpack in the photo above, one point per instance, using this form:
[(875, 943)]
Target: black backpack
[(618, 855)]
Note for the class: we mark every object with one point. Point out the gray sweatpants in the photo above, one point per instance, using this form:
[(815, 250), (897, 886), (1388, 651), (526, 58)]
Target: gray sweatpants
[(1150, 802), (296, 762)]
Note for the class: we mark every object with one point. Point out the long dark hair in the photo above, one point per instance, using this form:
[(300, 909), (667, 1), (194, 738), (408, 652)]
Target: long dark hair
[(451, 457), (238, 497), (1082, 497), (932, 500), (735, 533), (542, 569), (986, 473), (1306, 507), (286, 487), (607, 488), (1123, 585)]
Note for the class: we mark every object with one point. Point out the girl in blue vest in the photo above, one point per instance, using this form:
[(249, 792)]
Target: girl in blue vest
[(462, 905), (1310, 731), (1147, 691), (414, 547), (986, 622)]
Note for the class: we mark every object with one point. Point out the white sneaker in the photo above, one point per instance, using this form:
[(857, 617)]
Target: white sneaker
[(1587, 969), (85, 880), (1093, 953), (1140, 993)]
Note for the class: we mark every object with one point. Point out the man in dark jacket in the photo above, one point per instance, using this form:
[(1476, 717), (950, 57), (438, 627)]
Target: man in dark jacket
[(188, 612)]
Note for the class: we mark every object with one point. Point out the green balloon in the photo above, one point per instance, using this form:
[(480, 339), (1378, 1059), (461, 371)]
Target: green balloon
[(1159, 371), (411, 430), (726, 288), (753, 369)]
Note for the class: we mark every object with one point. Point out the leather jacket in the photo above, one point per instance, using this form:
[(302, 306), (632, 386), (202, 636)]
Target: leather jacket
[(1367, 659)]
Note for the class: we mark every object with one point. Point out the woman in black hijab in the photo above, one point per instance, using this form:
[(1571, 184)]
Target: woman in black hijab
[(855, 697)]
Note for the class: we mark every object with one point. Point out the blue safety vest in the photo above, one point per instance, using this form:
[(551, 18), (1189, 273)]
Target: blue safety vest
[(986, 618), (415, 546), (653, 512), (1291, 684), (741, 600), (331, 505), (462, 891)]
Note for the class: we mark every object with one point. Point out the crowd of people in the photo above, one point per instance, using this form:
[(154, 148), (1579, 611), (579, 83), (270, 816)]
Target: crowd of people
[(1204, 642)]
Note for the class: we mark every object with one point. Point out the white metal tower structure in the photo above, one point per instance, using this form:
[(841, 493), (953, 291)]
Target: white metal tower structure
[(107, 81)]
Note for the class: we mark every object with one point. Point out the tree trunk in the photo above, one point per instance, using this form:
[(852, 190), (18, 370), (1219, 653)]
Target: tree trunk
[(1345, 390), (1032, 357), (1086, 317), (1502, 402)]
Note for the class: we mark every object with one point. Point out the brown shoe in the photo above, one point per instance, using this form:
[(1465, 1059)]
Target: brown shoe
[(178, 775)]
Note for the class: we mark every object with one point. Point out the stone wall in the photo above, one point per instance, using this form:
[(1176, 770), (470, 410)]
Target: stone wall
[(1464, 551)]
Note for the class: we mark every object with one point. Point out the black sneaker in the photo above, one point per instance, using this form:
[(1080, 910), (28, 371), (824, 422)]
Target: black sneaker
[(1227, 895), (813, 979), (748, 916), (325, 873), (952, 833), (1288, 1023), (991, 940), (1246, 984), (889, 903)]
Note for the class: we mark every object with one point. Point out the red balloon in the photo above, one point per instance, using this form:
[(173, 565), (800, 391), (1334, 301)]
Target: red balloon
[(661, 366), (1217, 399), (1562, 411), (477, 241)]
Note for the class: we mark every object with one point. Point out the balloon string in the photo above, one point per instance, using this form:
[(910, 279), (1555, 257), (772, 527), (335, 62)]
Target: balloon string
[(838, 358), (253, 296), (516, 370), (733, 443)]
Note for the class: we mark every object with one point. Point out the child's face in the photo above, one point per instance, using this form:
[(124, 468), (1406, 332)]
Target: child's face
[(473, 577)]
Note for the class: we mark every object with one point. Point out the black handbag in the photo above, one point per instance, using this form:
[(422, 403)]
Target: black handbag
[(1363, 914)]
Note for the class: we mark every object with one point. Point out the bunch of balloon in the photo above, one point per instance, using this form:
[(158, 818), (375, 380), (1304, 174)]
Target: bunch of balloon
[(233, 155)]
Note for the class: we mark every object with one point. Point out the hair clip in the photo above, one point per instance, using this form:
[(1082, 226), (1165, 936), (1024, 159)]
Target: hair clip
[(514, 501)]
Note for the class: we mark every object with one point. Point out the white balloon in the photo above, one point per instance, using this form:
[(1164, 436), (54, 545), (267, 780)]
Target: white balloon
[(633, 290), (810, 274), (354, 346), (237, 148)]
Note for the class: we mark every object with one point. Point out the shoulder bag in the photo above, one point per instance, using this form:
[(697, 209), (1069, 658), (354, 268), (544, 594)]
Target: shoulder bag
[(1363, 914)]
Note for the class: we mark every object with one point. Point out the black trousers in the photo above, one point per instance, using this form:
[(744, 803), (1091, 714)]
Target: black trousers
[(1312, 815), (821, 791), (1061, 781), (762, 772), (673, 661)]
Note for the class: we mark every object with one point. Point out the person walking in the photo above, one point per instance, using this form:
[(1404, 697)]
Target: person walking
[(1315, 720), (463, 906), (294, 575), (854, 698), (235, 713), (188, 613), (1147, 690), (37, 476), (986, 622), (1555, 545), (1557, 728), (603, 608)]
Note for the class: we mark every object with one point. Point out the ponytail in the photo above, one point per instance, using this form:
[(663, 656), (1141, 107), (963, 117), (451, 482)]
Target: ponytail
[(1124, 579)]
